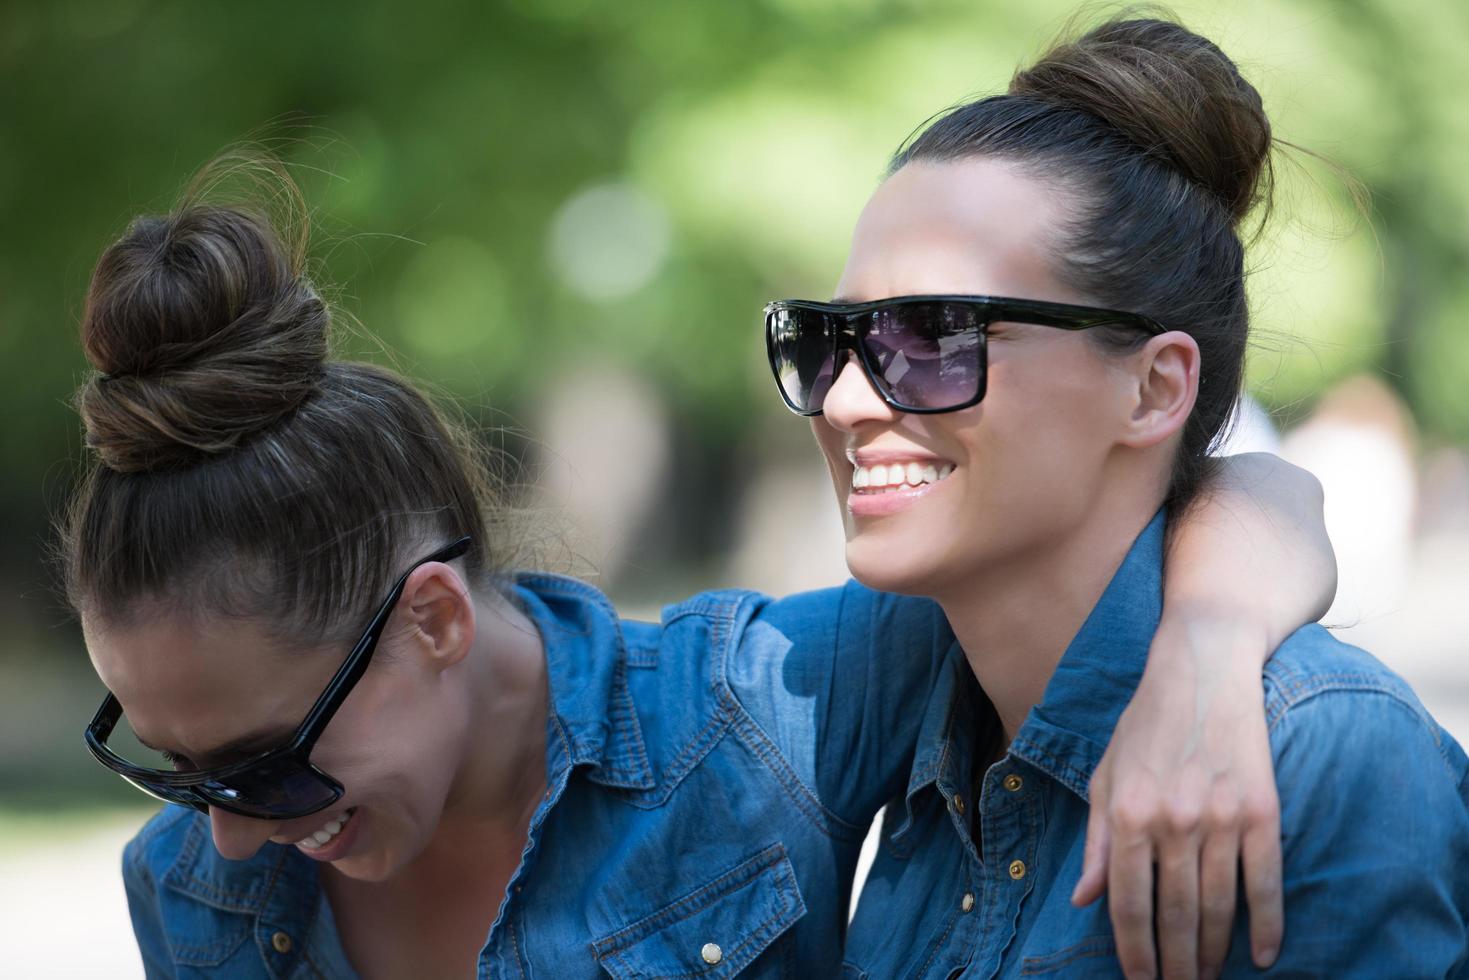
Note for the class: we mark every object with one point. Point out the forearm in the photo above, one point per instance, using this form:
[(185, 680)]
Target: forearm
[(1250, 557)]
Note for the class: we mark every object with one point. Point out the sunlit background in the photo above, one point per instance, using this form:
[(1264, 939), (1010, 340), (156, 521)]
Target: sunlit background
[(567, 214)]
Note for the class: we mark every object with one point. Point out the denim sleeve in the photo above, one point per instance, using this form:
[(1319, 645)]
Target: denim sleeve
[(1375, 841), (146, 915), (839, 680)]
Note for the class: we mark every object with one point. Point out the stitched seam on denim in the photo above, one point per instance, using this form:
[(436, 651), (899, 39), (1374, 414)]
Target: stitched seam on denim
[(1072, 778), (214, 953), (642, 657), (718, 604), (937, 946), (568, 588), (1297, 684), (226, 899), (762, 935), (759, 742), (1415, 711), (677, 911), (1338, 687), (170, 818), (901, 843), (1088, 948), (514, 945), (682, 764), (623, 715), (753, 736)]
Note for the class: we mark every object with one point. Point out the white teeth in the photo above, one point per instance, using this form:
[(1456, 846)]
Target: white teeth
[(315, 840), (914, 474)]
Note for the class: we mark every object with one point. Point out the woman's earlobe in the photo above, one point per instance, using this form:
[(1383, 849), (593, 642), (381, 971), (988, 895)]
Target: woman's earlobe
[(1168, 385)]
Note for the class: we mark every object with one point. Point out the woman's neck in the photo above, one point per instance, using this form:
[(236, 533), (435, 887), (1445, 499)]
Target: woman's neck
[(1015, 621), (503, 773)]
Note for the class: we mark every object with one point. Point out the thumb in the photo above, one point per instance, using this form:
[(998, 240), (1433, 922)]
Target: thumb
[(1094, 861)]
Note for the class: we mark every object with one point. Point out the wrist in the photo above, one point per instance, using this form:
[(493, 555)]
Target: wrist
[(1214, 635)]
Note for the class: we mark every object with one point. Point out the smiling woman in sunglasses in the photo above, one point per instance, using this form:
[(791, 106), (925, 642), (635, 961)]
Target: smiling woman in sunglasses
[(394, 755), (1040, 333)]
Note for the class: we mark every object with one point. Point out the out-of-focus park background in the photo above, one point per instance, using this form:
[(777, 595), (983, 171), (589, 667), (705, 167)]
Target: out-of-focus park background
[(568, 213)]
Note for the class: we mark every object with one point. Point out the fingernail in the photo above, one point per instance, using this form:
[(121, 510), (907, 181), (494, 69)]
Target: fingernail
[(1264, 956)]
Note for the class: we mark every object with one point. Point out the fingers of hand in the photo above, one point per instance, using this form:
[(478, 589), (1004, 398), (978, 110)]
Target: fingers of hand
[(1178, 894), (1130, 886), (1260, 851), (1218, 891), (1094, 862)]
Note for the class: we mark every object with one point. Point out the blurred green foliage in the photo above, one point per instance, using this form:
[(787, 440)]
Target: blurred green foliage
[(441, 144)]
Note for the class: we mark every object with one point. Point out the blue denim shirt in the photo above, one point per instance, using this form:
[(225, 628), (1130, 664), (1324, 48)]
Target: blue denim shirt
[(1374, 798), (710, 782)]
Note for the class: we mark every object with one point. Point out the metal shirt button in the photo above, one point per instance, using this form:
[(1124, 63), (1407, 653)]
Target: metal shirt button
[(1013, 783), (281, 942), (1017, 870), (959, 804), (968, 902), (712, 953)]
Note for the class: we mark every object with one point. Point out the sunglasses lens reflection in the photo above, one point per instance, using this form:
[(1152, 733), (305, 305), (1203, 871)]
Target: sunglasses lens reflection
[(276, 789), (802, 352), (927, 355)]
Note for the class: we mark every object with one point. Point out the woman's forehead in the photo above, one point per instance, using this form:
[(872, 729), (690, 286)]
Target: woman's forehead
[(190, 682), (969, 226)]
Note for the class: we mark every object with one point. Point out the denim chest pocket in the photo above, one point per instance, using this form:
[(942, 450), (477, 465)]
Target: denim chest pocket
[(715, 931), (211, 946), (1095, 956)]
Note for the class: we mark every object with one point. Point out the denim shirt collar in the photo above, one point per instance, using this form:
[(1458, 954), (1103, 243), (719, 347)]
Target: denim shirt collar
[(1066, 734), (592, 719)]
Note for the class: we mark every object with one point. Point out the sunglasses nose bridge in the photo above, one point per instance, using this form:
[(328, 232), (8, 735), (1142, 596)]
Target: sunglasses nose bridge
[(853, 398)]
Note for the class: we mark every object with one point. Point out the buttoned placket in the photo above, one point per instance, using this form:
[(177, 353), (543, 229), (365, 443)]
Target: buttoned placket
[(967, 919), (501, 955), (1010, 822)]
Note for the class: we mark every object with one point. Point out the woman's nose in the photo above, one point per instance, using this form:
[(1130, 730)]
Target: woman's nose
[(852, 400), (236, 837)]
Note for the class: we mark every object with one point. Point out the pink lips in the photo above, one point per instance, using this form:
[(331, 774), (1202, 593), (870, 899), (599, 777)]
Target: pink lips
[(338, 845), (887, 501)]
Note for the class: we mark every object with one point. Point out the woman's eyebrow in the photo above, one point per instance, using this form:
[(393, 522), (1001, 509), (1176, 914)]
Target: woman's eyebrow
[(265, 738)]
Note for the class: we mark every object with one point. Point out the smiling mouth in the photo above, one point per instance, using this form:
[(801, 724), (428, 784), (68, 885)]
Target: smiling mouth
[(327, 832), (889, 478)]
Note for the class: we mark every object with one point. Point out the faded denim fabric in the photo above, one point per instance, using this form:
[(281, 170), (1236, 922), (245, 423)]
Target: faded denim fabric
[(710, 782), (1375, 817)]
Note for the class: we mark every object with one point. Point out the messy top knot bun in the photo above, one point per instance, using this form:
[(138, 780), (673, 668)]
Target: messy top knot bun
[(239, 470), (1159, 149), (203, 332), (1172, 93)]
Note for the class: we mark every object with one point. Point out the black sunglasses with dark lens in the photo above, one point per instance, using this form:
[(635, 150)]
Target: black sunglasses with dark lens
[(278, 784), (922, 354)]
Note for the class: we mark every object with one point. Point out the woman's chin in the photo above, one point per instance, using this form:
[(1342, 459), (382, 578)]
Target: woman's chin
[(879, 565)]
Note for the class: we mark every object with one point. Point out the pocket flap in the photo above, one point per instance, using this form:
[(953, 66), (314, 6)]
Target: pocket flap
[(714, 931)]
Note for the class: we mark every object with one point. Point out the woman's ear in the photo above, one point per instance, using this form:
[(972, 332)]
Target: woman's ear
[(1166, 372), (439, 614)]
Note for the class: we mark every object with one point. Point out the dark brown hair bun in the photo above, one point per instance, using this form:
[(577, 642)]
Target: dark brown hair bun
[(203, 331), (1172, 93)]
